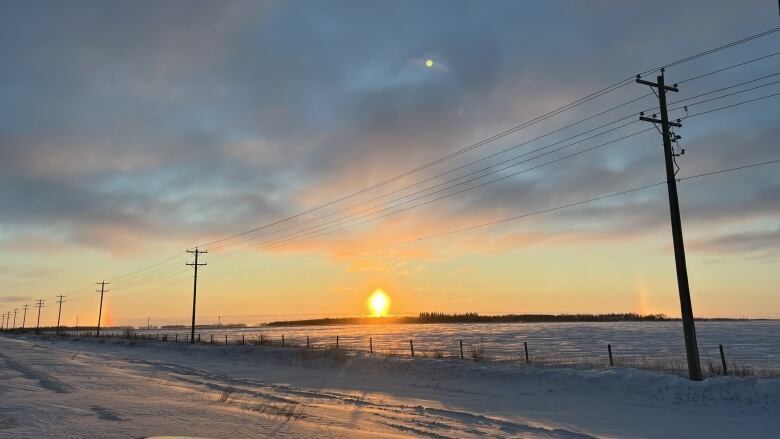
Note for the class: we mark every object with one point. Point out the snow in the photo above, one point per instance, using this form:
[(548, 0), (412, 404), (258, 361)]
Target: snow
[(754, 343), (76, 388)]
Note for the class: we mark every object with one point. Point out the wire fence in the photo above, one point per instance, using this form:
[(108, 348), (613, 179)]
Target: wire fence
[(460, 349)]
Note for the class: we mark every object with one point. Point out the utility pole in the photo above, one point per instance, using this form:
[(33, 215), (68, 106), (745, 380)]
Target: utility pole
[(77, 321), (100, 311), (15, 311), (195, 265), (39, 304), (148, 325), (24, 319), (59, 313), (2, 326), (686, 308)]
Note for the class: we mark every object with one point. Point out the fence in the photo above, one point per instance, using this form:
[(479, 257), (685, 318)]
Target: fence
[(457, 349)]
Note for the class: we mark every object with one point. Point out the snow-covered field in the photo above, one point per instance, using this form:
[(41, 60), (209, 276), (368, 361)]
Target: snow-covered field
[(746, 343), (67, 388)]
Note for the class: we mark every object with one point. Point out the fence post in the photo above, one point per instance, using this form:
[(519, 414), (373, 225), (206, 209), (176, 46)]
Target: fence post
[(226, 342), (723, 360), (282, 340), (461, 349), (411, 346), (609, 348), (371, 345), (337, 342), (198, 337), (525, 346), (307, 342), (176, 337), (242, 339), (212, 338)]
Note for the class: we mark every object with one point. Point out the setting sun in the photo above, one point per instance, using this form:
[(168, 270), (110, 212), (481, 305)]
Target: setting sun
[(379, 303)]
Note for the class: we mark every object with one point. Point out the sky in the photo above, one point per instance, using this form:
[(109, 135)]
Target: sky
[(131, 132)]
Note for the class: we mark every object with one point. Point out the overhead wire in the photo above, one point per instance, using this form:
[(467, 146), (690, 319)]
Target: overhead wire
[(272, 243), (504, 133)]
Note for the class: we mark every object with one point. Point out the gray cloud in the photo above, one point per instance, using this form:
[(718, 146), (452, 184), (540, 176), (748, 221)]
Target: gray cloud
[(122, 124)]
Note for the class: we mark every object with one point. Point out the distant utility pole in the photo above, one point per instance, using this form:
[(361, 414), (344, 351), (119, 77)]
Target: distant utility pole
[(24, 319), (15, 311), (195, 265), (77, 321), (2, 326), (39, 304), (59, 313), (148, 324), (100, 311), (691, 347)]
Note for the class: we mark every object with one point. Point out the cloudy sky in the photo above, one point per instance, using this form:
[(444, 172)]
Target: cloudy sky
[(132, 131)]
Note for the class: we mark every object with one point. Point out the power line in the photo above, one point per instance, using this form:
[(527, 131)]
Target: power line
[(344, 225), (716, 49), (478, 171), (717, 109), (566, 107), (502, 134), (760, 58), (524, 143), (512, 218), (290, 237), (492, 223), (540, 118), (166, 272)]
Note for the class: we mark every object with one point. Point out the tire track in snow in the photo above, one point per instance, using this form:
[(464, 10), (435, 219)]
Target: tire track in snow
[(424, 421), (45, 380)]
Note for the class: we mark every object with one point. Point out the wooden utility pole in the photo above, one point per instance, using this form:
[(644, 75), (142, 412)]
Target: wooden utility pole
[(39, 304), (195, 265), (102, 290), (15, 311), (686, 308), (59, 313), (24, 318)]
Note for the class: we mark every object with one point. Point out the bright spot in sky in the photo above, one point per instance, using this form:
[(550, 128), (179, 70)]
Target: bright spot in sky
[(428, 63), (379, 303)]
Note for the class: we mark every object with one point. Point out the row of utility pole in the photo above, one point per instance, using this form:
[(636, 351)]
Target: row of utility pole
[(39, 303)]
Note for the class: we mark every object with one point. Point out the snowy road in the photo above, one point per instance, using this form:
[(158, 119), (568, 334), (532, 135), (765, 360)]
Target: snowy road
[(111, 388)]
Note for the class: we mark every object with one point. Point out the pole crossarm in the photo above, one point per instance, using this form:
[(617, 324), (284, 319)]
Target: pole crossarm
[(659, 121)]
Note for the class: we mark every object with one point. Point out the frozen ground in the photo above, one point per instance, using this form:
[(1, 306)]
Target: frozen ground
[(87, 388)]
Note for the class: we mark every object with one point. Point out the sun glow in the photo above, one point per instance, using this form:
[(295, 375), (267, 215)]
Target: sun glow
[(379, 303)]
